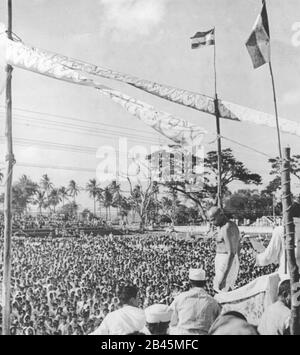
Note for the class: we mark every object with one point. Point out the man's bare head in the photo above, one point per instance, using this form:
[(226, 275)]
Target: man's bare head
[(216, 216), (232, 323)]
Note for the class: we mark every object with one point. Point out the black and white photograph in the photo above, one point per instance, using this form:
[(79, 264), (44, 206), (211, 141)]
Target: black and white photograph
[(149, 170)]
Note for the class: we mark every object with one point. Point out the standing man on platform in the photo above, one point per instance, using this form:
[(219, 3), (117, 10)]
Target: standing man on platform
[(227, 250)]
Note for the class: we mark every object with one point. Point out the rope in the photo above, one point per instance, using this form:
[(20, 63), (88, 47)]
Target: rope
[(285, 197), (246, 146), (16, 38)]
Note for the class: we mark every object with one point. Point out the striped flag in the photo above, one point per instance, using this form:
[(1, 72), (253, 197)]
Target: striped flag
[(201, 39), (258, 44)]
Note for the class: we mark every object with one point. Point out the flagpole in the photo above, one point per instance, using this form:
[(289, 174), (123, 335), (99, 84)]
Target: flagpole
[(6, 289), (278, 136), (276, 110), (219, 146)]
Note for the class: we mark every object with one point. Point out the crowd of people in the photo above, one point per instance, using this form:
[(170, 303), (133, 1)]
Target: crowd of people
[(54, 225), (50, 221), (68, 285)]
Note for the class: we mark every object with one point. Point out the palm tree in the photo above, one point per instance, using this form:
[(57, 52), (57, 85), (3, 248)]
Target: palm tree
[(107, 200), (125, 207), (116, 195), (63, 193), (100, 198), (92, 188), (46, 184), (73, 190), (40, 199), (24, 190), (54, 198)]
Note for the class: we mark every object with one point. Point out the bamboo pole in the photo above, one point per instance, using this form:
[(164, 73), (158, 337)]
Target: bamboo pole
[(220, 201), (8, 192), (290, 244), (219, 145)]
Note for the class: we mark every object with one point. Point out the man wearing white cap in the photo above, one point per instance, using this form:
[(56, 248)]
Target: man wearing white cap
[(158, 317), (195, 310)]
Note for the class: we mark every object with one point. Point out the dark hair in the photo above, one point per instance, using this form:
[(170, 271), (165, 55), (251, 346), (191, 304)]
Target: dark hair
[(284, 288), (158, 328), (135, 333), (198, 283), (235, 314), (222, 321), (126, 293)]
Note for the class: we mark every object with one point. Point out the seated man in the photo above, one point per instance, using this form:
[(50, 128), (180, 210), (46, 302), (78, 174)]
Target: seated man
[(195, 310), (275, 319), (128, 319), (158, 317)]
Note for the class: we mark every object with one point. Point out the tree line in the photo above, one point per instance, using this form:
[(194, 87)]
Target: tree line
[(156, 201)]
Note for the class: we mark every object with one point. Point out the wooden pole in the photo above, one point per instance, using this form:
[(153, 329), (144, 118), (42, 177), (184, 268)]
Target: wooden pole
[(219, 145), (290, 243), (276, 110), (8, 192)]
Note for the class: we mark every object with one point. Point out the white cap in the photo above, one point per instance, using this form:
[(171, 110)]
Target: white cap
[(158, 313), (197, 275)]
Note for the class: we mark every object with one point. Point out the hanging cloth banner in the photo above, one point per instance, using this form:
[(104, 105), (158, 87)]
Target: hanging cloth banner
[(49, 64), (179, 131), (190, 99), (186, 98), (72, 70), (249, 115)]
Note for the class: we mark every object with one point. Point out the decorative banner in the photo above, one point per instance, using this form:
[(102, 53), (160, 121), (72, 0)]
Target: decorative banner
[(186, 98), (52, 65), (190, 99), (176, 129), (245, 114), (75, 71)]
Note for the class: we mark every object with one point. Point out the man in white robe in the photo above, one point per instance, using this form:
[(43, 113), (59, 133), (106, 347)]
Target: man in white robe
[(275, 251), (126, 320), (195, 310)]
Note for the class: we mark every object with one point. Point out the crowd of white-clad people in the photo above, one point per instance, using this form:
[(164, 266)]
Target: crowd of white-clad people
[(68, 285), (22, 222)]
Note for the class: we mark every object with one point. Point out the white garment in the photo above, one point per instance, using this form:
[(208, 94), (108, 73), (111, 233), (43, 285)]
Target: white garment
[(125, 320), (220, 267), (275, 319), (194, 312), (274, 253)]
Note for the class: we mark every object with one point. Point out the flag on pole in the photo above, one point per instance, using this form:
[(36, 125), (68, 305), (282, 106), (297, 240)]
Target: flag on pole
[(201, 39), (258, 44)]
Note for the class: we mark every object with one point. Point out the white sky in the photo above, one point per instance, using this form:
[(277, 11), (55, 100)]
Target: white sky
[(149, 39)]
